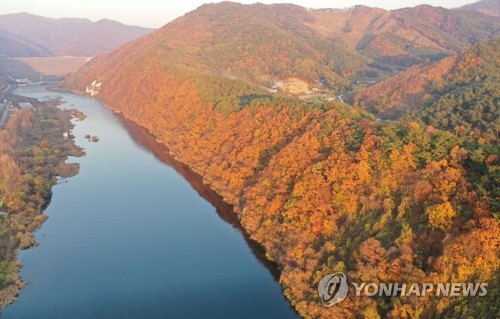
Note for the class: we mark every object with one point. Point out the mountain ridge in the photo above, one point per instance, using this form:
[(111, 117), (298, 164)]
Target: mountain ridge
[(325, 187), (488, 7), (265, 44), (410, 92), (52, 35)]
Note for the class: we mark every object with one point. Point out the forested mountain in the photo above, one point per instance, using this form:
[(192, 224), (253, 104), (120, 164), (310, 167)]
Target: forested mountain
[(400, 38), (14, 46), (456, 93), (402, 93), (488, 7), (468, 99), (42, 36), (263, 44), (324, 186)]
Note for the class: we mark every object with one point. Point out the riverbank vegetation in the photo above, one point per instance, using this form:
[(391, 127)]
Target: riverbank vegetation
[(327, 187), (33, 151)]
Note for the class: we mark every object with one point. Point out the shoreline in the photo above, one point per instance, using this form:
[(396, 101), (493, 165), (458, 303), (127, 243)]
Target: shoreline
[(228, 215), (22, 224), (224, 209)]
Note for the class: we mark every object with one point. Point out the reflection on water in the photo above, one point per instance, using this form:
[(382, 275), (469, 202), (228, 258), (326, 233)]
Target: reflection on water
[(135, 235), (225, 211)]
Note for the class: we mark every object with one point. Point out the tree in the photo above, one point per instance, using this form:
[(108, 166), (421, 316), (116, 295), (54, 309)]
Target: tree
[(441, 215)]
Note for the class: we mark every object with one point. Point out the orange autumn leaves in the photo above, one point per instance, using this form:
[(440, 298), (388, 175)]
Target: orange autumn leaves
[(323, 186)]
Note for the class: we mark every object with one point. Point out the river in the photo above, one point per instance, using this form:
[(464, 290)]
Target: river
[(137, 235)]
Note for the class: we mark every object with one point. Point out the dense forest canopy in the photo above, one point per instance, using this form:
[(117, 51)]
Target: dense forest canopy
[(399, 185), (459, 94), (324, 186)]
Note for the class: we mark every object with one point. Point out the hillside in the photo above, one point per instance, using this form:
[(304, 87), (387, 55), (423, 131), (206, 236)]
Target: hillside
[(63, 37), (395, 40), (48, 68), (488, 7), (402, 93), (324, 187), (14, 46), (325, 48), (468, 100), (456, 92)]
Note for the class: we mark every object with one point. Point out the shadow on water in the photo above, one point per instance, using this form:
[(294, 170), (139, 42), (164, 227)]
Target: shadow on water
[(145, 139)]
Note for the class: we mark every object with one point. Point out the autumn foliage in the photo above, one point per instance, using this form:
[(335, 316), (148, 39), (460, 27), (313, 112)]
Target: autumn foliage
[(324, 187), (32, 154)]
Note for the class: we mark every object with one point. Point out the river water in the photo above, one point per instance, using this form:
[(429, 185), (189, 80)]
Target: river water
[(137, 235)]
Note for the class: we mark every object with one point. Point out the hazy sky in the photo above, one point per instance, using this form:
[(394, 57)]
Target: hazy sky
[(155, 13)]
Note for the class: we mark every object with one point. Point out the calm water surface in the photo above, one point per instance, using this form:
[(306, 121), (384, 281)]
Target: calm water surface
[(130, 237)]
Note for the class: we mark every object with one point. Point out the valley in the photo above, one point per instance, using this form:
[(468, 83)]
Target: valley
[(148, 232), (362, 141)]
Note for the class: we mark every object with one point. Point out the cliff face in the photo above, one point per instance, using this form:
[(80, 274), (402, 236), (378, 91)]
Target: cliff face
[(322, 186)]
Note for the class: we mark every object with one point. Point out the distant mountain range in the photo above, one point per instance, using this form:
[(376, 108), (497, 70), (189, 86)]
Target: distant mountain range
[(488, 7), (27, 35), (263, 44), (11, 45)]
